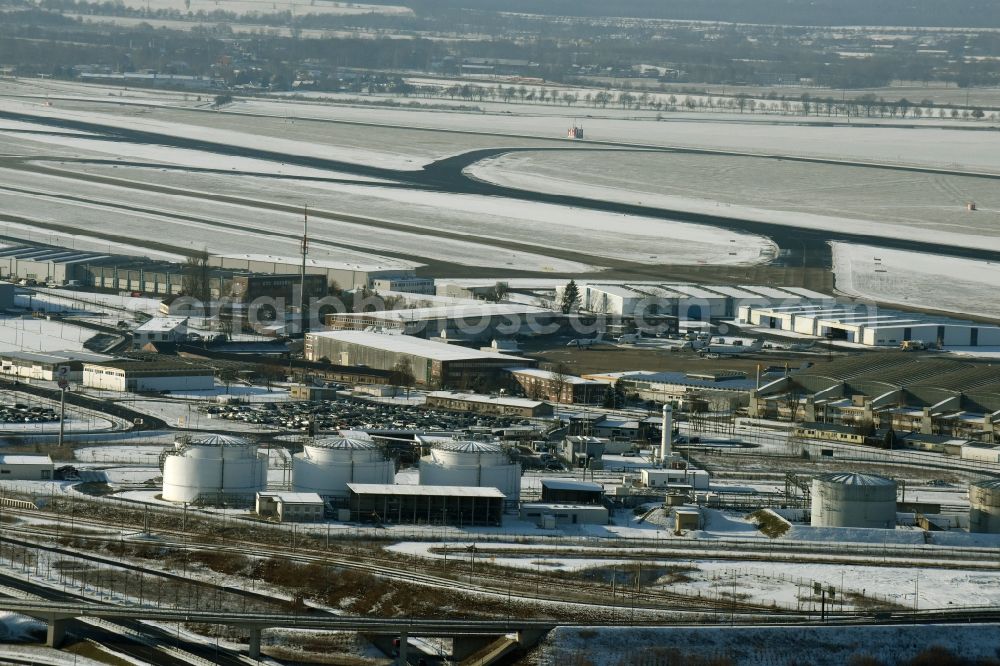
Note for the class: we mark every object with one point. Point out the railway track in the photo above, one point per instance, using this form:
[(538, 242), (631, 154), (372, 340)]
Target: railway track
[(147, 643), (499, 586)]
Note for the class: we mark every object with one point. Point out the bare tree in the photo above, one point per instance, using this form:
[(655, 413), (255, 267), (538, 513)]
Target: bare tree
[(195, 280)]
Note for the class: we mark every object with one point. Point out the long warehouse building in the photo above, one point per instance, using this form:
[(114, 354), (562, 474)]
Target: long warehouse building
[(432, 363)]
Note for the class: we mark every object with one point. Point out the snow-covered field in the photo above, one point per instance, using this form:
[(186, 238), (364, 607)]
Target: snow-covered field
[(917, 279), (300, 8), (766, 646), (40, 335), (920, 206)]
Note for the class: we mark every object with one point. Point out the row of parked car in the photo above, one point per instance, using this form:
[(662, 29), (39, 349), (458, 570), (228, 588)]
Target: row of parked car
[(21, 413), (346, 413)]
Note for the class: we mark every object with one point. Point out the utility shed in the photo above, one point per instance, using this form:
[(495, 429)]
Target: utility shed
[(686, 519), (25, 468), (572, 492), (425, 505), (288, 507), (546, 514)]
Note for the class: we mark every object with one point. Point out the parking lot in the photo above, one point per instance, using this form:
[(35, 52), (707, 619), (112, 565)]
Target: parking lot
[(352, 414)]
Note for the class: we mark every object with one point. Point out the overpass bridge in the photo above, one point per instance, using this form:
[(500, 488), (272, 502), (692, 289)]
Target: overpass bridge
[(470, 636)]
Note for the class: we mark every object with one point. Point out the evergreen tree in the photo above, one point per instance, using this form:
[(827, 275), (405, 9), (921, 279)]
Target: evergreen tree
[(571, 298)]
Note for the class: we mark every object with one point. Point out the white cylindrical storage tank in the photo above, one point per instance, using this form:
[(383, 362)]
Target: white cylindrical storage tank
[(212, 468), (984, 506), (327, 465), (476, 464), (844, 499)]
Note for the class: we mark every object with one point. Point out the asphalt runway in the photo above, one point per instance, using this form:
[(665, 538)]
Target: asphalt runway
[(801, 249)]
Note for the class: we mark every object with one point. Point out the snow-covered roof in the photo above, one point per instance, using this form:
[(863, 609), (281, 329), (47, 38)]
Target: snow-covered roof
[(18, 459), (475, 397), (292, 498), (569, 484), (423, 491), (343, 443), (407, 344), (458, 311), (856, 479), (469, 447), (546, 374), (315, 263), (161, 325), (218, 440)]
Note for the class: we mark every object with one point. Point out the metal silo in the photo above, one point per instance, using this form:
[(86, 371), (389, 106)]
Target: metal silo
[(327, 465), (478, 464), (213, 469), (984, 506), (845, 499)]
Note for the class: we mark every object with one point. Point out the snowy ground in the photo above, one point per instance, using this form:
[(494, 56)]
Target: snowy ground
[(917, 279), (296, 8), (821, 196), (41, 335)]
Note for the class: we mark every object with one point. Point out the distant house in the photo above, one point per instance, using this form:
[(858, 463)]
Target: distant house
[(160, 329)]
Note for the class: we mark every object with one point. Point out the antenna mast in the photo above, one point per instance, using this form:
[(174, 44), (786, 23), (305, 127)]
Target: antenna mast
[(302, 275)]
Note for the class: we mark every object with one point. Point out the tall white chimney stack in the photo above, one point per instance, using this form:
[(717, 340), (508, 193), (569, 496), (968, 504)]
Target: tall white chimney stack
[(667, 434)]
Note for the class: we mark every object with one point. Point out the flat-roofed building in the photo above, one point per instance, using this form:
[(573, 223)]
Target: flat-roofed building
[(667, 478), (148, 377), (347, 275), (160, 329), (551, 514), (408, 284), (475, 321), (20, 467), (570, 491), (428, 505), (46, 366), (432, 363), (288, 507), (557, 387), (486, 404)]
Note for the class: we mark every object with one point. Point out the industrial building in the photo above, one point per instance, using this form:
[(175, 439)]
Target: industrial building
[(251, 287), (148, 377), (59, 265), (890, 391), (469, 322), (285, 507), (853, 500), (456, 401), (327, 465), (21, 467), (432, 363), (984, 501), (425, 505), (569, 491), (345, 275), (213, 469), (407, 284), (160, 329), (685, 388), (46, 366), (672, 478), (551, 515), (7, 292), (471, 464), (555, 387), (685, 301), (860, 324)]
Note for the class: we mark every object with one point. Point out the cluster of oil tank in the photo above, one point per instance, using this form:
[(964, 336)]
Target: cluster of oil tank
[(846, 499), (210, 467)]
